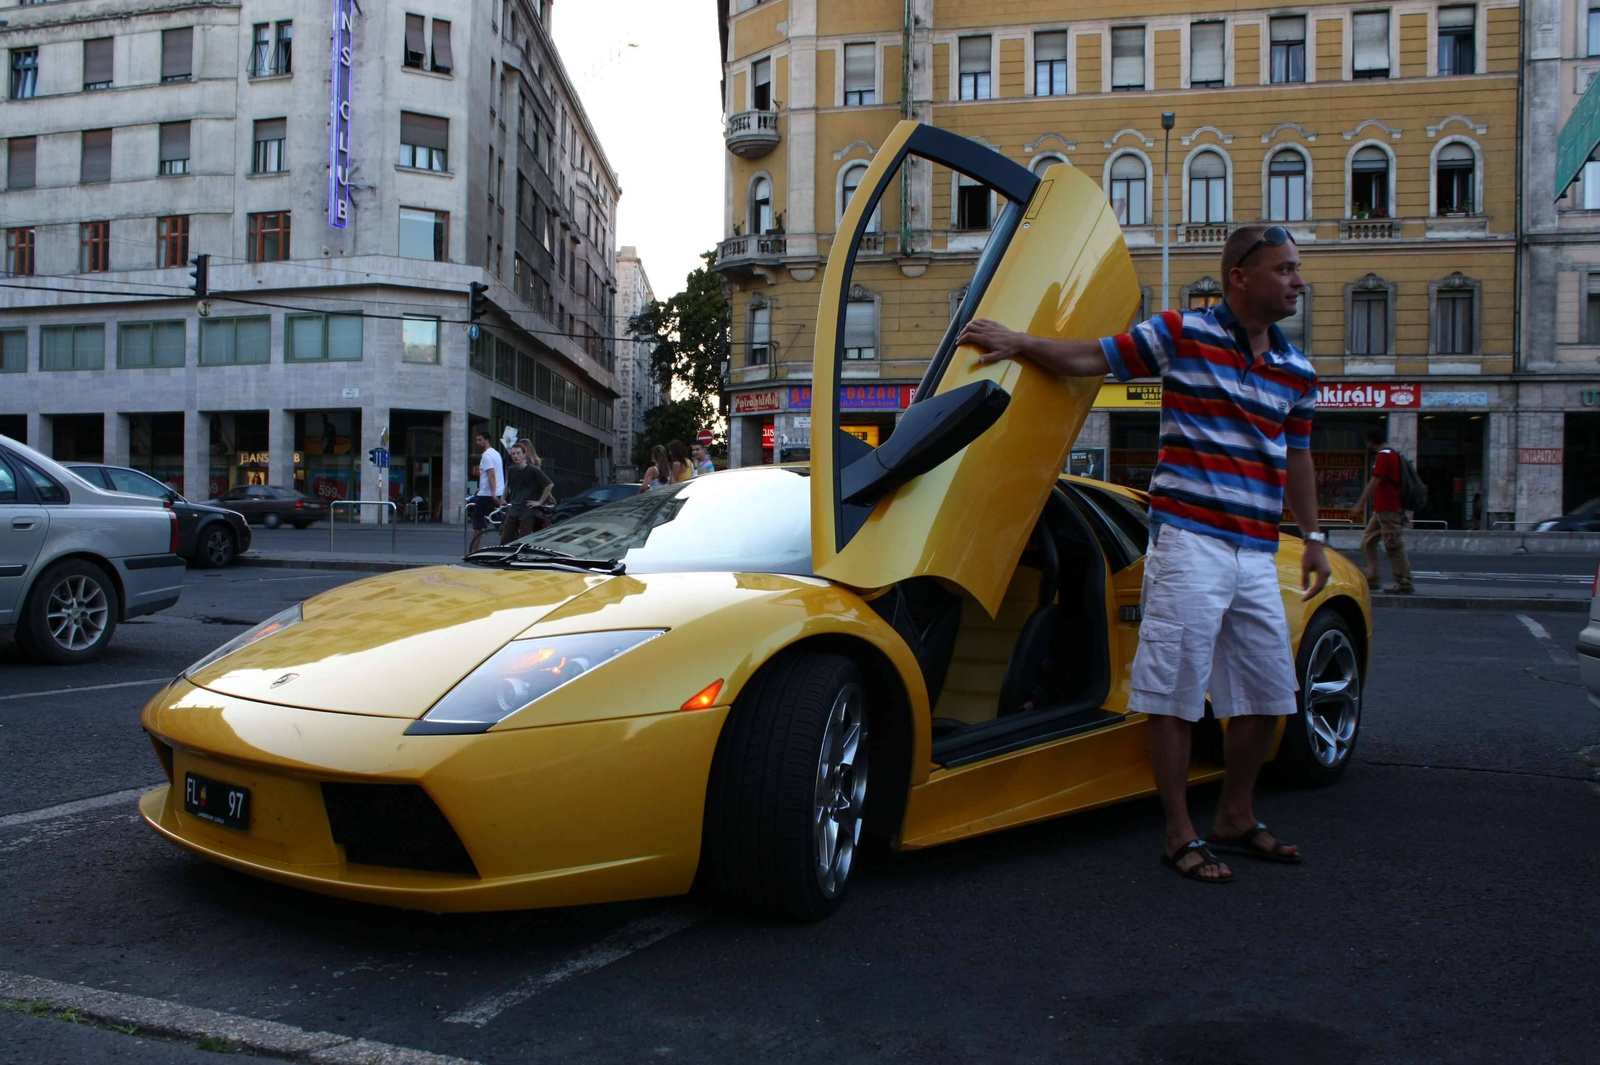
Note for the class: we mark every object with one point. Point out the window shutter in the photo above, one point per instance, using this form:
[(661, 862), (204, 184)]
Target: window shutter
[(1289, 30), (1207, 165), (177, 53), (761, 327), (1370, 159), (1456, 16), (414, 41), (1372, 41), (443, 61), (1205, 51), (21, 164), (1456, 155), (174, 141), (424, 131), (1127, 56), (97, 61), (975, 55), (96, 155), (859, 69), (761, 72), (860, 324), (1049, 47), (272, 129)]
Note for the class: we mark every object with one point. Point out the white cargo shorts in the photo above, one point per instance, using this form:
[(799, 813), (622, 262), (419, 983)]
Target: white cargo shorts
[(1213, 620)]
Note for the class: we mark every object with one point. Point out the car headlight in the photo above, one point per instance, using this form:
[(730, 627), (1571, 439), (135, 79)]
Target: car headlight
[(276, 623), (521, 673)]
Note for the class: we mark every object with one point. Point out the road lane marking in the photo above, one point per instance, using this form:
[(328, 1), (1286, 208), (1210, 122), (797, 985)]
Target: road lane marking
[(87, 688), (1534, 627), (631, 937), (154, 1016), (66, 809), (1557, 655)]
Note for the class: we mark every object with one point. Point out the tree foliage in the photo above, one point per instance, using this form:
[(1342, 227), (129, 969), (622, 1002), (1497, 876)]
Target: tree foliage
[(690, 334), (681, 419)]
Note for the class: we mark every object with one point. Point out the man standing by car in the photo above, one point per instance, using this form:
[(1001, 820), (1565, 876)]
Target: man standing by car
[(491, 484), (1236, 407), (1388, 516)]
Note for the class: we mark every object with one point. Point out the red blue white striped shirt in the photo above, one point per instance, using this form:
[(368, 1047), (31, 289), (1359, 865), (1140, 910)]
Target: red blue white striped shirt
[(1227, 420)]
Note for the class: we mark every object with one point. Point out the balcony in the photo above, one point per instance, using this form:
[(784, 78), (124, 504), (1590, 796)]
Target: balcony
[(1369, 229), (1204, 233), (752, 134)]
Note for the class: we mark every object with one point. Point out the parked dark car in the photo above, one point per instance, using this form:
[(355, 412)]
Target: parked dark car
[(272, 505), (589, 498), (208, 536), (1580, 519)]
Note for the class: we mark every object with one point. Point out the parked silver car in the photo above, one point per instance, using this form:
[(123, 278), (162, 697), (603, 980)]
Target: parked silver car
[(76, 559), (1589, 647)]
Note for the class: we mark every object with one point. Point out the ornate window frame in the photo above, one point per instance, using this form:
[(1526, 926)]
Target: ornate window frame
[(1391, 291), (1456, 282)]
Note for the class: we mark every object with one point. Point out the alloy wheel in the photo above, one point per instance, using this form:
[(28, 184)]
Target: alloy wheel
[(841, 790), (219, 547), (1331, 696), (76, 613)]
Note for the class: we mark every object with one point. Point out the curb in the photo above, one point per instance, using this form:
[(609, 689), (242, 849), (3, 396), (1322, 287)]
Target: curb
[(1476, 602)]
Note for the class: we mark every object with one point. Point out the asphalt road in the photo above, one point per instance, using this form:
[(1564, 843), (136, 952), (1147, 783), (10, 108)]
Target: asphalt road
[(1444, 913)]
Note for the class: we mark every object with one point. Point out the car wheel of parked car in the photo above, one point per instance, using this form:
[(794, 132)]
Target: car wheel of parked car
[(788, 787), (217, 547), (1319, 740), (70, 614), (272, 521)]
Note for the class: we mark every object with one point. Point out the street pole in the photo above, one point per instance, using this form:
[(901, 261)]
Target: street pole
[(1168, 120)]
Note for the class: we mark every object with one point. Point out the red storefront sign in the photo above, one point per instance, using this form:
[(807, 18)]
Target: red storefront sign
[(908, 396), (1539, 456), (1384, 395), (769, 437), (755, 402)]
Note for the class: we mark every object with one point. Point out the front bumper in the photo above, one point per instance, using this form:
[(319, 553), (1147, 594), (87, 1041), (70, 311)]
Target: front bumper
[(1589, 660), (555, 816)]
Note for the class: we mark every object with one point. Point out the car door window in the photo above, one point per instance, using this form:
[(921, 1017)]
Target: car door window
[(1132, 520), (1119, 553), (137, 483), (45, 489), (256, 493), (233, 494), (8, 484)]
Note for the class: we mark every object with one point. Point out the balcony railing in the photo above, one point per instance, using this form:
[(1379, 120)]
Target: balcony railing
[(1204, 233), (752, 134), (1369, 229), (767, 247)]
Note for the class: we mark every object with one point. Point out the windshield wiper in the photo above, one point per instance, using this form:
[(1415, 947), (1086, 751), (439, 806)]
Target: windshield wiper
[(529, 553)]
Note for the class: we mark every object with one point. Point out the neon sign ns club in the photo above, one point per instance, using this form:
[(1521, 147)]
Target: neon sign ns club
[(339, 118)]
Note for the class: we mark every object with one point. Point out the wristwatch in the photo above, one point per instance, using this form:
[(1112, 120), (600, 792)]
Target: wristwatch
[(1315, 537)]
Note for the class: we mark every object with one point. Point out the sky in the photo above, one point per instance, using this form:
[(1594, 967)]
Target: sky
[(649, 74)]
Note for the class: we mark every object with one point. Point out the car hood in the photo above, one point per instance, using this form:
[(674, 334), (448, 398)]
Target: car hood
[(391, 646)]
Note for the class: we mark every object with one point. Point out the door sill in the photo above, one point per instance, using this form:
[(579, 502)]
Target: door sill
[(1004, 735)]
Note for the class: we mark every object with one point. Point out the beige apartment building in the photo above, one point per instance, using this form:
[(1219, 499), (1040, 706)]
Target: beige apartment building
[(1383, 135)]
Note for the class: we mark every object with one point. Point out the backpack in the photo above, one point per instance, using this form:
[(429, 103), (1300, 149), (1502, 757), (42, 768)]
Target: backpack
[(1413, 493)]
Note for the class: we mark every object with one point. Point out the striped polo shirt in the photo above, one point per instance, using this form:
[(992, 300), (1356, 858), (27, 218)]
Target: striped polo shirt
[(1227, 420)]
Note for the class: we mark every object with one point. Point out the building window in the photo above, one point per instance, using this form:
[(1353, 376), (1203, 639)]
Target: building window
[(1207, 41), (1288, 49), (1369, 322), (860, 326), (72, 347), (761, 217), (1369, 183), (416, 53), (1050, 63), (1591, 316), (1594, 29), (94, 247), (848, 183), (19, 252), (424, 234), (1286, 187), (1208, 189), (1452, 323), (13, 350), (972, 204), (271, 53), (1206, 292), (271, 135), (424, 141), (96, 162), (283, 49), (235, 341), (321, 337), (141, 345), (21, 162), (860, 75), (172, 241), (1127, 58), (760, 334), (973, 54), (1455, 169), (24, 73), (442, 61), (177, 54), (174, 148), (97, 64), (761, 85), (1043, 163), (419, 339), (1370, 54), (1295, 328), (267, 239), (1129, 190), (1457, 40)]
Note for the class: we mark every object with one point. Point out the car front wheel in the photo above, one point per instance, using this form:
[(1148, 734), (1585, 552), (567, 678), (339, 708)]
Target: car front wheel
[(272, 521), (70, 614), (788, 788), (217, 547), (1320, 738)]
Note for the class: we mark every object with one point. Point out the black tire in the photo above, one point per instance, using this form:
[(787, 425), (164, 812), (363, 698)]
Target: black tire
[(1315, 750), (760, 848), (216, 547), (84, 593), (271, 521), (301, 524)]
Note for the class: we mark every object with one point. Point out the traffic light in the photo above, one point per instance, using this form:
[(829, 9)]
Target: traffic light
[(201, 274), (477, 300)]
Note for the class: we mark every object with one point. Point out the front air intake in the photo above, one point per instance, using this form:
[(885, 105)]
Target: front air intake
[(395, 825)]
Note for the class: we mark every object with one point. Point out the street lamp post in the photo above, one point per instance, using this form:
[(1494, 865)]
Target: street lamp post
[(1168, 120)]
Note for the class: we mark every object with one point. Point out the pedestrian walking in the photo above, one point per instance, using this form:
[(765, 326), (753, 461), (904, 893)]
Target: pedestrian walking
[(1236, 407), (527, 489), (1388, 521), (491, 487), (682, 468), (659, 475), (702, 460)]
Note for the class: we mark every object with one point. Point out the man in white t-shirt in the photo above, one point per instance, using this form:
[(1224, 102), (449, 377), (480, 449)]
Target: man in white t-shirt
[(491, 486)]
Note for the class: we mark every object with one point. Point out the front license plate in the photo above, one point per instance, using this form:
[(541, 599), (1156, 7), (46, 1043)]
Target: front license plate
[(212, 800)]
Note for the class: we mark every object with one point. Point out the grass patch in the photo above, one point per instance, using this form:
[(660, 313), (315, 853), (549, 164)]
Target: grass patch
[(42, 1008), (216, 1046)]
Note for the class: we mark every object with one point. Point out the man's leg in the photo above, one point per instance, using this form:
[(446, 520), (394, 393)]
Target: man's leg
[(1170, 741), (475, 515), (1248, 740), (1369, 548), (1394, 545)]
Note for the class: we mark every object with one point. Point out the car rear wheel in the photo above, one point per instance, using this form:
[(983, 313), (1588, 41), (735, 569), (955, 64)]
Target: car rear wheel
[(70, 614), (788, 789), (1320, 739), (271, 521), (217, 547)]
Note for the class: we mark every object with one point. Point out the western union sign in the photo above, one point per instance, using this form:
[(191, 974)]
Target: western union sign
[(1129, 397)]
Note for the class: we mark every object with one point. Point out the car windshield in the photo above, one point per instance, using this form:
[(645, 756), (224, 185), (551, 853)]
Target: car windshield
[(758, 521)]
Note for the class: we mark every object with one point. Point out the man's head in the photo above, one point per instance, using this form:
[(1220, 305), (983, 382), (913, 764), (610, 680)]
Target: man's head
[(1376, 438), (482, 440), (698, 453), (1261, 273)]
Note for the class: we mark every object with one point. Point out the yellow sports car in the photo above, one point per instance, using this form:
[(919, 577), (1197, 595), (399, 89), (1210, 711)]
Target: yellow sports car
[(730, 680)]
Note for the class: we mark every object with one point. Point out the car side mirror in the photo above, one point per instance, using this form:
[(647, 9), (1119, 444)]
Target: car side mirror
[(931, 431)]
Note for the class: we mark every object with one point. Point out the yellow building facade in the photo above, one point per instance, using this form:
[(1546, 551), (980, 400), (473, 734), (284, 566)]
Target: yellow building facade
[(1384, 137)]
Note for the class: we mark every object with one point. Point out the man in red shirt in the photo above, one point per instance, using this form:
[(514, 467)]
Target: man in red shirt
[(1388, 517)]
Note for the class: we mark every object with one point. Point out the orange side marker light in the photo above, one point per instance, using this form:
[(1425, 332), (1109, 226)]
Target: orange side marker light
[(706, 697)]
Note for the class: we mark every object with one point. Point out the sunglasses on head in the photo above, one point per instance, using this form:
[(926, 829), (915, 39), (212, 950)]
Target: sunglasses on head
[(1274, 236)]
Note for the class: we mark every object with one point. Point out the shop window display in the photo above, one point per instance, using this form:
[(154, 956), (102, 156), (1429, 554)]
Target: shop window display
[(326, 454), (238, 445)]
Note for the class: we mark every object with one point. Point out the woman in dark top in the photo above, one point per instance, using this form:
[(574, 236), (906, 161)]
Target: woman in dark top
[(527, 488)]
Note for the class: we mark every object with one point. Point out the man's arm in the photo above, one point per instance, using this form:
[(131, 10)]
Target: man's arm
[(1300, 494), (1366, 494), (1069, 358)]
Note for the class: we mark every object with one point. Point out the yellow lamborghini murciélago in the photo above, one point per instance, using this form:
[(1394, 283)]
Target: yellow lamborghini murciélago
[(733, 678)]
